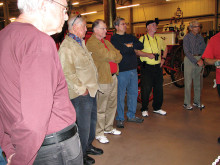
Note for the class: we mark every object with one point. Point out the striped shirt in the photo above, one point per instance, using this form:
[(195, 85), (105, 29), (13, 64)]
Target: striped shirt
[(193, 45)]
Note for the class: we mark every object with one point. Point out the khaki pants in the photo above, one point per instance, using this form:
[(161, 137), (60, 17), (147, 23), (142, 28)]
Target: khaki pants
[(106, 106), (192, 73)]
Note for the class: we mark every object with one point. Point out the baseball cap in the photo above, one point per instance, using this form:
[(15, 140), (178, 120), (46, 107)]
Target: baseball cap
[(152, 21)]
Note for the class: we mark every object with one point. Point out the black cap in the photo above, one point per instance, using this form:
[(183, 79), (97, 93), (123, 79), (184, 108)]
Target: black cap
[(152, 21)]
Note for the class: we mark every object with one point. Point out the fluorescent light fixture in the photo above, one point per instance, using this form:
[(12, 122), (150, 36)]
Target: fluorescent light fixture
[(1, 4), (75, 3), (12, 19), (93, 12), (122, 7), (168, 0)]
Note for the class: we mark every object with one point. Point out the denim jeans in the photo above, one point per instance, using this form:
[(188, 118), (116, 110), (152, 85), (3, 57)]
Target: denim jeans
[(2, 159), (86, 117), (67, 152), (127, 81)]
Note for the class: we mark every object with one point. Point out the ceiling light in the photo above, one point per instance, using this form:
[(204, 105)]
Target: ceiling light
[(122, 7), (89, 13), (1, 4), (75, 3)]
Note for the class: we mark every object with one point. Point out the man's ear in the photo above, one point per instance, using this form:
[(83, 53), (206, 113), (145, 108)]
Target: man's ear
[(45, 5)]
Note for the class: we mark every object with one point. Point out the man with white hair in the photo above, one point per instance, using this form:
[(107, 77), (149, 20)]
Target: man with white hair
[(82, 79), (194, 46), (106, 59), (152, 60), (37, 119)]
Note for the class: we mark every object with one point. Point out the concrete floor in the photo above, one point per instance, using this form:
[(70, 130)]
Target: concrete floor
[(181, 138)]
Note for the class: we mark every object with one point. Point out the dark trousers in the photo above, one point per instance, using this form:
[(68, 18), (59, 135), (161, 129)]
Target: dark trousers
[(218, 88), (86, 117), (151, 78)]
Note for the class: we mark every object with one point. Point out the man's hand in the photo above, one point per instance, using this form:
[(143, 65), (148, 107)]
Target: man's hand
[(129, 45), (162, 62), (200, 62), (9, 159), (86, 92), (151, 56)]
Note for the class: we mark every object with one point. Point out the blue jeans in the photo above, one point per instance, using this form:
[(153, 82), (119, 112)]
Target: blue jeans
[(2, 159), (86, 117), (127, 81)]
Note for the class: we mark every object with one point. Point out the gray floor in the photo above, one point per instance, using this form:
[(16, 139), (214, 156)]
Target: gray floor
[(180, 138)]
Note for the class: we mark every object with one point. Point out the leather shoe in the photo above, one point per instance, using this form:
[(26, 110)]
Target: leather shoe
[(120, 124), (94, 151), (88, 160)]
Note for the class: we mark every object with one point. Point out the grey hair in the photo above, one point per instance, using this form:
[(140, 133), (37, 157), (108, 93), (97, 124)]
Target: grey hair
[(27, 6), (96, 23), (117, 21), (192, 23), (72, 19)]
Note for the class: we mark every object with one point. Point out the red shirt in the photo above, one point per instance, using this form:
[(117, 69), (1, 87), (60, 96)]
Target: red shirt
[(113, 66), (212, 51), (34, 97)]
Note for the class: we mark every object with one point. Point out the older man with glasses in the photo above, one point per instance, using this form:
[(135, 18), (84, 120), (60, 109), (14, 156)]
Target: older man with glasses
[(82, 78), (37, 119), (106, 59), (194, 46)]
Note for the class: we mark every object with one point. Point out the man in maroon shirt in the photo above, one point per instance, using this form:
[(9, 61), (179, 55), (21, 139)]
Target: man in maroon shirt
[(37, 119)]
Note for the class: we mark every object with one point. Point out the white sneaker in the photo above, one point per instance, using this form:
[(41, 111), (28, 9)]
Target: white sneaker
[(161, 112), (199, 105), (102, 139), (145, 113), (113, 132)]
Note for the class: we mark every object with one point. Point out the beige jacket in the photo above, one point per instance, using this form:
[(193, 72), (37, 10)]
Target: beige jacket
[(78, 67), (102, 57)]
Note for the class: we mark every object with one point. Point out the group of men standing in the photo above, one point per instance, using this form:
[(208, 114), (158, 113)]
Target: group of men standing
[(45, 93), (100, 73)]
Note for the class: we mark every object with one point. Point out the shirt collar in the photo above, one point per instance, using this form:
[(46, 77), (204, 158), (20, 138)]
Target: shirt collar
[(76, 38)]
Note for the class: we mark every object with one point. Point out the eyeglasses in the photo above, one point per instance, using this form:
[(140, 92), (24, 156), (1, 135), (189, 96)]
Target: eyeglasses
[(78, 16), (196, 26), (103, 28), (122, 24), (65, 7)]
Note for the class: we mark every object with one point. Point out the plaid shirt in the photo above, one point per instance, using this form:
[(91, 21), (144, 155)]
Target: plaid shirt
[(77, 39), (193, 45)]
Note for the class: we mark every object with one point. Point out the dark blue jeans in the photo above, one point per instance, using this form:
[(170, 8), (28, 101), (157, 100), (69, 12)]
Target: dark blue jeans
[(86, 117), (127, 82), (2, 159)]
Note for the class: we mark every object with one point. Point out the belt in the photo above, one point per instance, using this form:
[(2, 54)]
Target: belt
[(113, 74), (196, 54), (144, 64), (60, 137)]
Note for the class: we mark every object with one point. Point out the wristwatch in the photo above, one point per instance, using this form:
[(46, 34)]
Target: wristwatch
[(163, 58)]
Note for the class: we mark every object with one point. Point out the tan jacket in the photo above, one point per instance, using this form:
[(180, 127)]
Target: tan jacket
[(78, 67), (102, 57)]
